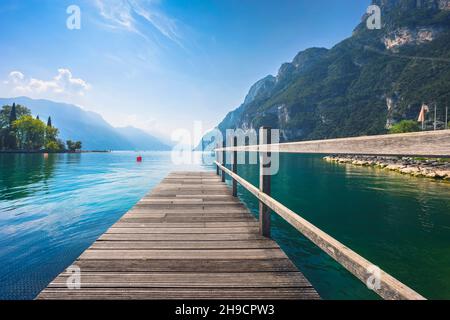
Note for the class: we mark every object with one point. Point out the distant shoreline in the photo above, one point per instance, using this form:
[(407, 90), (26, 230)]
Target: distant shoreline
[(52, 152)]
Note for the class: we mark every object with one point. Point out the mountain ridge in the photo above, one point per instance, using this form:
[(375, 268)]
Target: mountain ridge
[(76, 123), (362, 85)]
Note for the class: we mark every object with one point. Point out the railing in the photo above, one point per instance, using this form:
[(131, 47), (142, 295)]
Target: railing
[(430, 144)]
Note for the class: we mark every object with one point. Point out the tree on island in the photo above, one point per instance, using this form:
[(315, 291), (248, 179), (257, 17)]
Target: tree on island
[(74, 145), (12, 115), (51, 139), (30, 133), (53, 146), (20, 131), (61, 145), (7, 112)]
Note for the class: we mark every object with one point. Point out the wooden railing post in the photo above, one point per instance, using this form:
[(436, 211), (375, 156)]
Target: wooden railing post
[(234, 168), (224, 160), (217, 159), (264, 181)]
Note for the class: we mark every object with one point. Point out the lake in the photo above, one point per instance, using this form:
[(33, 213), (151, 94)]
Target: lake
[(52, 208)]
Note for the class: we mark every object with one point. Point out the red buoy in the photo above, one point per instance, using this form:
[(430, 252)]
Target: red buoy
[(139, 159)]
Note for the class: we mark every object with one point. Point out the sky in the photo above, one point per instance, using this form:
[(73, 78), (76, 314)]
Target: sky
[(160, 65)]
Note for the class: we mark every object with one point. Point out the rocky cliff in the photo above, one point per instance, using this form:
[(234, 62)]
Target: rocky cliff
[(362, 85)]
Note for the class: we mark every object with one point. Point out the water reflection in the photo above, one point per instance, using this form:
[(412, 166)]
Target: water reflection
[(19, 171)]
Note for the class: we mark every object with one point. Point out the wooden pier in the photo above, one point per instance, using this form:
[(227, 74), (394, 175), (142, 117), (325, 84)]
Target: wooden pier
[(190, 238)]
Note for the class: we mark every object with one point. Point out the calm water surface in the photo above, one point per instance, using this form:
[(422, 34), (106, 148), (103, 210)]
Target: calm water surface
[(52, 209)]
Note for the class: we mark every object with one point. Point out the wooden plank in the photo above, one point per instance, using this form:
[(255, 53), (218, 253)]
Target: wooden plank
[(194, 202), (200, 197), (175, 210), (205, 196), (177, 186), (186, 280), (198, 190), (187, 265), (306, 293), (192, 182), (249, 254), (209, 206), (180, 237), (232, 217), (165, 230), (193, 245), (183, 219), (221, 225)]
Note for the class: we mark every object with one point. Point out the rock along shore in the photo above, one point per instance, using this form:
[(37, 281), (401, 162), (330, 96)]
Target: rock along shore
[(418, 167)]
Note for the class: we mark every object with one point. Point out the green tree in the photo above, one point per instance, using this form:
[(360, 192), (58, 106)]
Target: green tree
[(405, 126), (19, 130), (52, 146), (70, 146), (5, 114), (30, 133), (3, 134), (74, 145), (78, 145), (8, 114), (12, 115), (51, 134), (52, 143), (61, 145)]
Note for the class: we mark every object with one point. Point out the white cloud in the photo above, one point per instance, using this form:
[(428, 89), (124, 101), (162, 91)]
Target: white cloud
[(125, 14), (15, 77), (62, 84), (117, 12)]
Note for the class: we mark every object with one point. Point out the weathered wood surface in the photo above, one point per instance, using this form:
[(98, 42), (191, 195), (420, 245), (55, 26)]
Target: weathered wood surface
[(188, 239), (426, 144)]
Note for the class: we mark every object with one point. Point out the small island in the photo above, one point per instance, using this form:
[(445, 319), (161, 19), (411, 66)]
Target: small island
[(20, 132)]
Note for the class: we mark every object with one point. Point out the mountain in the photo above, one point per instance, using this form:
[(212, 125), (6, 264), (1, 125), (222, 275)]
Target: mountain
[(364, 84), (142, 140), (74, 123)]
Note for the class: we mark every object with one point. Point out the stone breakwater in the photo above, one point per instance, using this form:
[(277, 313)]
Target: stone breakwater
[(418, 167)]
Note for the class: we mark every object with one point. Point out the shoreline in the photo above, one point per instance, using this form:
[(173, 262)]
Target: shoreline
[(53, 152), (437, 169)]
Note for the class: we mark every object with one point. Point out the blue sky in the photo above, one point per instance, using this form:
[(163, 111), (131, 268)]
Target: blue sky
[(160, 65)]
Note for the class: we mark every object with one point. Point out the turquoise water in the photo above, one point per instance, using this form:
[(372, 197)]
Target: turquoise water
[(398, 222), (52, 209)]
